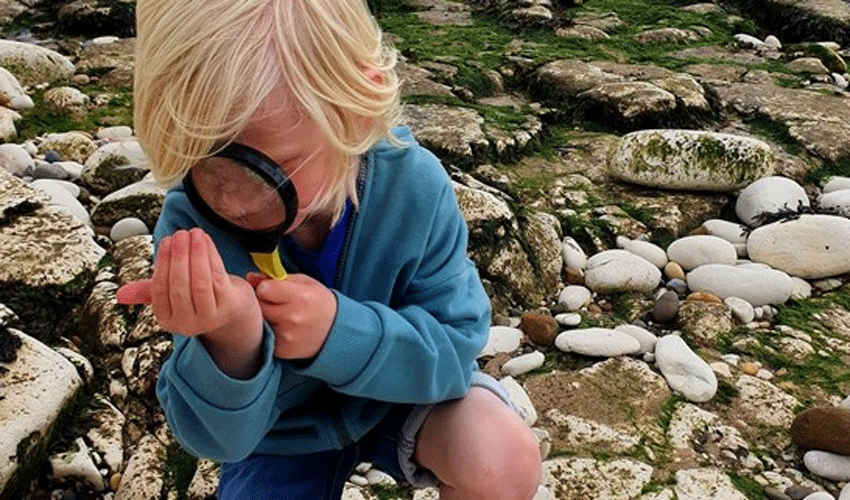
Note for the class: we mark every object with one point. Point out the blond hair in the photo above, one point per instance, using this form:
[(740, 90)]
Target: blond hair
[(204, 68)]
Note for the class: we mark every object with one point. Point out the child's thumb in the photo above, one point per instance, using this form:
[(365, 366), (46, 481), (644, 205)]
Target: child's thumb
[(135, 292), (255, 279)]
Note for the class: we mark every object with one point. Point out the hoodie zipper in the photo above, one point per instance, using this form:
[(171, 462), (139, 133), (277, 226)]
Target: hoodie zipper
[(349, 231)]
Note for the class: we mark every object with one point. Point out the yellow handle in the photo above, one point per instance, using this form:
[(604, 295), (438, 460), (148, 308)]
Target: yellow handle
[(269, 264)]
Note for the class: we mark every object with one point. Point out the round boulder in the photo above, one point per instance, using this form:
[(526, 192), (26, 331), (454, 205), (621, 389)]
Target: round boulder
[(690, 160), (32, 64), (825, 428)]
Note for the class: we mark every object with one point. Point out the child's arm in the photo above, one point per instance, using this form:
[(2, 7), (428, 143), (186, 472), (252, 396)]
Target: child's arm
[(211, 413), (422, 346), (191, 294)]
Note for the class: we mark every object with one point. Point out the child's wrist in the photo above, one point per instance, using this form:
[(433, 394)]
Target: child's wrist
[(236, 347)]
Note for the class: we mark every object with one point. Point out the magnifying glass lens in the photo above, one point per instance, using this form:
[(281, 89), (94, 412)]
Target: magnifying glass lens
[(239, 195)]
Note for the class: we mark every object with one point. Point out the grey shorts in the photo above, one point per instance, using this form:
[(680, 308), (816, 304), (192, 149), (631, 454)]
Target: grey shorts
[(416, 475)]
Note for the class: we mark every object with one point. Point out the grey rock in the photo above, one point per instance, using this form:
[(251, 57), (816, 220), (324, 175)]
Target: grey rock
[(666, 307), (32, 64), (37, 388)]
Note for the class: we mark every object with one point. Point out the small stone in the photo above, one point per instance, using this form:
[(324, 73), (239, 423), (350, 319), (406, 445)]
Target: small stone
[(574, 297), (798, 492), (674, 271), (684, 370), (845, 492), (540, 328), (52, 156), (691, 252), (127, 227), (678, 286), (502, 339), (573, 254), (775, 494), (602, 342), (742, 309), (825, 428), (115, 481), (819, 495), (828, 465), (568, 319), (704, 297), (574, 276), (645, 338), (666, 307), (749, 367), (524, 364)]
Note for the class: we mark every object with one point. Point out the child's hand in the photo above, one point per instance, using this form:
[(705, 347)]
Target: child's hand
[(300, 310), (191, 292)]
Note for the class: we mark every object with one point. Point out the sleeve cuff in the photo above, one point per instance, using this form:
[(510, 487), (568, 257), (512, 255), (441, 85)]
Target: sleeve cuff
[(351, 343), (198, 370)]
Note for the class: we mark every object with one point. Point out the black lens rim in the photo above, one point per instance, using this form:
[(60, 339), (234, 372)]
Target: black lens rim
[(265, 167)]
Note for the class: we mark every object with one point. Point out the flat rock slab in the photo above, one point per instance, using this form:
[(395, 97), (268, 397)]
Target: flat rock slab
[(34, 390)]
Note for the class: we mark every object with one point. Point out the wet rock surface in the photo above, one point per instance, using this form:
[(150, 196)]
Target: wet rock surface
[(657, 207)]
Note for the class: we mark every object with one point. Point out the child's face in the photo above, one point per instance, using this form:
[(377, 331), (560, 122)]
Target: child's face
[(297, 145)]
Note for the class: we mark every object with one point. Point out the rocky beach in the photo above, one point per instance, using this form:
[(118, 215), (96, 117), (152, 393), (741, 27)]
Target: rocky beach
[(658, 199)]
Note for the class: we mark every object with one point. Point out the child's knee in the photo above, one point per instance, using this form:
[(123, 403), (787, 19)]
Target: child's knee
[(510, 463)]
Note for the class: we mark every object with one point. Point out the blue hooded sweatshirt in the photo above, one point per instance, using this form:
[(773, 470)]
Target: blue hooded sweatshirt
[(412, 316)]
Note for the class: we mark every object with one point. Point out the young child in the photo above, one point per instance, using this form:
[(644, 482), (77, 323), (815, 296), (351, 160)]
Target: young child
[(366, 352)]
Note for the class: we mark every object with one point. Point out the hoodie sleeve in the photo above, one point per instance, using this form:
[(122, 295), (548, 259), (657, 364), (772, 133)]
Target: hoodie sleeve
[(211, 414), (421, 349)]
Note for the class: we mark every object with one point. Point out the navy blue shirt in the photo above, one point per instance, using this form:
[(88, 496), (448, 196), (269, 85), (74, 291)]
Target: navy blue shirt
[(321, 265)]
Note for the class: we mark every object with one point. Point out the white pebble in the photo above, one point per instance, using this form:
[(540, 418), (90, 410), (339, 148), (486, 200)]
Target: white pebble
[(602, 342), (126, 227), (574, 256), (742, 309), (691, 252), (819, 495), (649, 251), (645, 338), (568, 319), (502, 339), (827, 465), (524, 363), (574, 297), (684, 370)]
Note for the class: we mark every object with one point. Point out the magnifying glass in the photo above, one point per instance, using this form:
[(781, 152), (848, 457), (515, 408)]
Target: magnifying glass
[(245, 193)]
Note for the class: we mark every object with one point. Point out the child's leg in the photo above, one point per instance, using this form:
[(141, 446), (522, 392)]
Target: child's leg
[(317, 476), (479, 449)]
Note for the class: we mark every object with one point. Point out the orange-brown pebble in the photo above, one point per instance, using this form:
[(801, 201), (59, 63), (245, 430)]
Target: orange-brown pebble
[(594, 309), (115, 481), (674, 271), (574, 276), (704, 297), (749, 367)]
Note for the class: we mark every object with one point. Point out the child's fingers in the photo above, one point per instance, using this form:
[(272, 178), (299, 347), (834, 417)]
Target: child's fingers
[(160, 301), (218, 272), (201, 280), (179, 287), (255, 279), (135, 292)]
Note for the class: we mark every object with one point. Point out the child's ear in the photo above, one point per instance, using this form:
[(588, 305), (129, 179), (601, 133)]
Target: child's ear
[(374, 75)]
